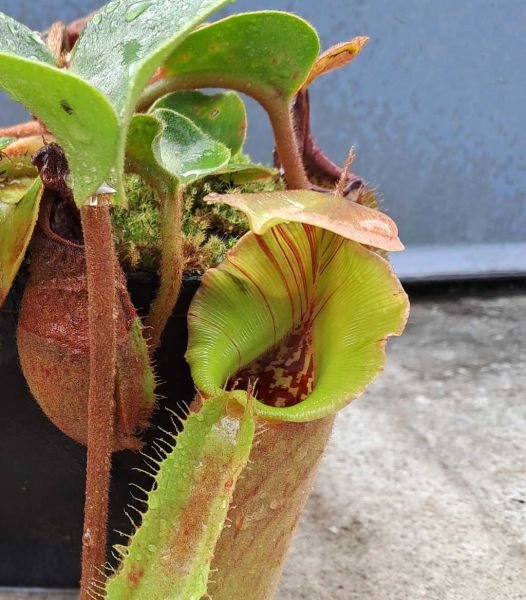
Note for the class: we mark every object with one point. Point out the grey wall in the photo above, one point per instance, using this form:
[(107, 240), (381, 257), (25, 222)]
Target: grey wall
[(434, 105)]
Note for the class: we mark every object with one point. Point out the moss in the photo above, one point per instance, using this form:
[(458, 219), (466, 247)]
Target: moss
[(209, 231)]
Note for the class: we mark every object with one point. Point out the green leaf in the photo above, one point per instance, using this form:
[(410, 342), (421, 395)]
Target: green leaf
[(267, 55), (19, 40), (237, 173), (221, 116), (19, 203), (175, 144), (15, 158), (334, 213), (125, 41), (169, 554), (301, 313), (78, 115)]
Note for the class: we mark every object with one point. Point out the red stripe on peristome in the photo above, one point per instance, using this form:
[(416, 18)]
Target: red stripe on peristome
[(285, 281), (254, 282), (299, 262), (293, 271), (310, 232), (327, 262)]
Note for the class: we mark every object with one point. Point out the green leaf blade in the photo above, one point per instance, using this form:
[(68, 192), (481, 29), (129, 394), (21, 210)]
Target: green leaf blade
[(167, 145), (169, 555), (267, 54), (80, 118), (19, 203), (221, 116), (123, 44), (17, 39)]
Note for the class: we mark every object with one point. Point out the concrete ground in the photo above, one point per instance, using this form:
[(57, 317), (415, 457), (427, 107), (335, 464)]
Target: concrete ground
[(422, 493)]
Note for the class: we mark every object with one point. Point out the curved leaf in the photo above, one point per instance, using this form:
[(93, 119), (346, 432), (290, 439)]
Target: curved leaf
[(335, 57), (301, 313), (19, 40), (334, 213), (120, 48), (178, 146), (19, 202), (123, 44), (221, 116), (237, 173), (15, 158), (169, 554), (267, 55), (78, 115)]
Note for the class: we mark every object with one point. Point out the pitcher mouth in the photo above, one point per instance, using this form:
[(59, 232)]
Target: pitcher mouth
[(59, 220), (59, 216)]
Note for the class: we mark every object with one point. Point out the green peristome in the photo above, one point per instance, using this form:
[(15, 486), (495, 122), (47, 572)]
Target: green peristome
[(301, 296), (78, 115), (15, 159), (169, 555), (19, 203), (265, 54), (221, 116)]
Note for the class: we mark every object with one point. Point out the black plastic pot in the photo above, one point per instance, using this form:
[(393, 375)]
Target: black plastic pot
[(42, 471)]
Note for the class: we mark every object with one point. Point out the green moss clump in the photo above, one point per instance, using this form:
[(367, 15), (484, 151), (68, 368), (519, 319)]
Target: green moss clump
[(209, 230), (136, 228)]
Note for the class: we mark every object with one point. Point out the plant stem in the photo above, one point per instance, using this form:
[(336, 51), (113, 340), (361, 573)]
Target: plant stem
[(171, 273), (100, 267), (278, 110), (287, 146), (30, 128)]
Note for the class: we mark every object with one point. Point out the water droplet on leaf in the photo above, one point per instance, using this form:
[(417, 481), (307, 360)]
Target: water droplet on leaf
[(136, 10)]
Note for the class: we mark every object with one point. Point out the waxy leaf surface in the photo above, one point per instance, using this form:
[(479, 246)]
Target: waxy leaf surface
[(267, 55), (122, 45), (300, 312), (221, 116), (169, 555), (176, 144), (334, 213), (78, 115), (19, 40), (19, 203)]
